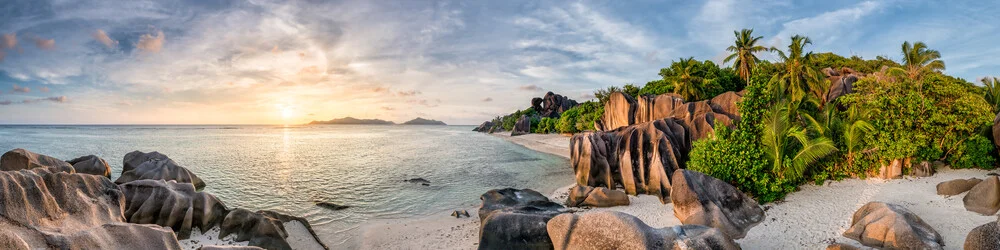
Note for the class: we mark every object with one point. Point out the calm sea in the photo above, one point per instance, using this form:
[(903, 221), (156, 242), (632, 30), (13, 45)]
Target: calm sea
[(288, 168)]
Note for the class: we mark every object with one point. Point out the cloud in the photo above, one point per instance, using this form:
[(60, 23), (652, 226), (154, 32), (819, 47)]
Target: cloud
[(311, 70), (2, 55), (151, 43), (7, 102), (380, 89), (828, 27), (8, 41), (46, 44), (275, 50), (387, 108), (124, 103), (488, 99), (44, 89), (408, 93), (56, 99), (425, 102), (103, 38), (587, 96), (530, 87), (21, 89)]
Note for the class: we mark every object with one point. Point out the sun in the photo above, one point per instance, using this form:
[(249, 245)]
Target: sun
[(286, 113)]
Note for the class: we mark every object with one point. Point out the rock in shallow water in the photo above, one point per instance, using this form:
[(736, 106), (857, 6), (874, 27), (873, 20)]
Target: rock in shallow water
[(891, 226), (984, 197), (20, 158), (91, 164), (171, 204), (596, 197), (515, 219), (616, 230), (42, 209), (700, 199), (160, 169), (262, 228)]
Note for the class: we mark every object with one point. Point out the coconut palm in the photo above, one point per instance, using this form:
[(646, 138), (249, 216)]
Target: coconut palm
[(992, 92), (687, 83), (743, 56), (789, 146), (917, 59), (795, 75)]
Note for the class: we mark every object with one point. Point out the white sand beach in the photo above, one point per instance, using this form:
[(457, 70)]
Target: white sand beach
[(811, 218), (298, 238)]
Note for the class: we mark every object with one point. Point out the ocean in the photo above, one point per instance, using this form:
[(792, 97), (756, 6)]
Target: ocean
[(289, 168)]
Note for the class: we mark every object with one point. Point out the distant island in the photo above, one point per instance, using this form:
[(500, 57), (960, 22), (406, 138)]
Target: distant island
[(355, 121), (422, 121)]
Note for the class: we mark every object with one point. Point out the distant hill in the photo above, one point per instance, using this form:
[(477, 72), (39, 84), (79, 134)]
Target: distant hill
[(422, 121), (353, 121)]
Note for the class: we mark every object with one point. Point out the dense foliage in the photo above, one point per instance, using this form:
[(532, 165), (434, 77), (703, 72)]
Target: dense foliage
[(508, 121), (696, 80)]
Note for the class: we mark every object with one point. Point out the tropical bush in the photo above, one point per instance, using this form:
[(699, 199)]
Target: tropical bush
[(977, 152), (508, 121), (579, 118)]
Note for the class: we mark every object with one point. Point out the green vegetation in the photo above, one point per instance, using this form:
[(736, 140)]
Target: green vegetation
[(508, 121), (744, 52)]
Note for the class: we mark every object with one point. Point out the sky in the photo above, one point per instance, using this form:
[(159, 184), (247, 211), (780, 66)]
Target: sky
[(462, 62)]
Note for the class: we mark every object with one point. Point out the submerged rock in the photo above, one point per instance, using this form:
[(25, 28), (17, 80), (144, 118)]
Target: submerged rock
[(160, 169), (891, 226), (515, 219), (956, 186), (616, 230), (171, 204), (984, 197), (700, 199), (91, 164), (983, 237), (596, 197), (20, 158), (41, 209), (418, 180), (332, 206)]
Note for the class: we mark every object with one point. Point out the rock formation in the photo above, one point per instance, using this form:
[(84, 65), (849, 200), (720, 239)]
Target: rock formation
[(135, 158), (924, 169), (996, 130), (841, 82), (229, 248), (957, 186), (20, 158), (984, 197), (41, 209), (91, 164), (522, 126), (700, 199), (160, 169), (641, 158), (515, 219), (262, 228), (552, 105), (616, 230), (596, 197), (889, 226), (171, 204), (986, 236), (485, 127), (701, 117)]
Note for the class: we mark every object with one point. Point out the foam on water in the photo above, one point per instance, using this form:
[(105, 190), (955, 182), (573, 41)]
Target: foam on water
[(287, 169)]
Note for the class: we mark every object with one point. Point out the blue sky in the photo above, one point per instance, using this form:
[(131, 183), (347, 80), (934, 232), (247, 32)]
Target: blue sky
[(276, 62)]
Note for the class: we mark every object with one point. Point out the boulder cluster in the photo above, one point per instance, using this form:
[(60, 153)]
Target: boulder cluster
[(983, 197), (49, 203), (700, 117), (841, 81), (549, 106)]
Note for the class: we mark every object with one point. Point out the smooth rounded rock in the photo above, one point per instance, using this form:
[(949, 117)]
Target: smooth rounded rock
[(984, 197), (91, 164), (616, 230), (700, 199), (891, 226)]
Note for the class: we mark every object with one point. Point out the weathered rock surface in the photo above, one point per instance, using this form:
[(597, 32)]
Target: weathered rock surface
[(986, 236), (892, 171), (596, 197), (515, 219), (485, 127), (957, 186), (641, 158), (552, 105), (616, 230), (160, 169), (522, 126), (841, 82), (924, 169), (91, 164), (890, 226), (984, 197), (40, 209), (841, 246), (996, 130), (263, 229), (171, 204), (20, 158), (229, 248), (700, 199), (701, 117), (133, 159), (619, 112)]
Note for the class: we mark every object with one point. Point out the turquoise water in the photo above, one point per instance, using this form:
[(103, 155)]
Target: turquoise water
[(288, 168)]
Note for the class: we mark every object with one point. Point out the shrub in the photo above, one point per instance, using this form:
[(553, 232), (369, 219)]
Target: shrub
[(977, 152), (547, 125)]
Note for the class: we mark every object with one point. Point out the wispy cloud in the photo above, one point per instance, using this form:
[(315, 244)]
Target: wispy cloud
[(487, 99), (530, 87), (103, 38), (151, 42), (8, 41), (45, 44), (19, 89)]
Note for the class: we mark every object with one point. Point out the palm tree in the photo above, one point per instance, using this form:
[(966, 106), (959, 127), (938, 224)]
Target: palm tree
[(796, 76), (917, 59), (743, 52), (992, 92), (687, 84), (789, 146)]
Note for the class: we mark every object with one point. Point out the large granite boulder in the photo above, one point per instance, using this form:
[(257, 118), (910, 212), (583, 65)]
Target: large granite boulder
[(485, 127), (596, 197), (522, 126), (552, 105), (20, 158), (700, 199), (890, 226), (996, 130), (924, 169), (984, 197), (265, 229), (41, 209), (956, 186), (640, 158), (160, 169), (515, 219), (841, 82), (983, 237), (91, 164), (171, 204), (133, 159), (650, 107), (700, 117), (619, 112), (616, 230)]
